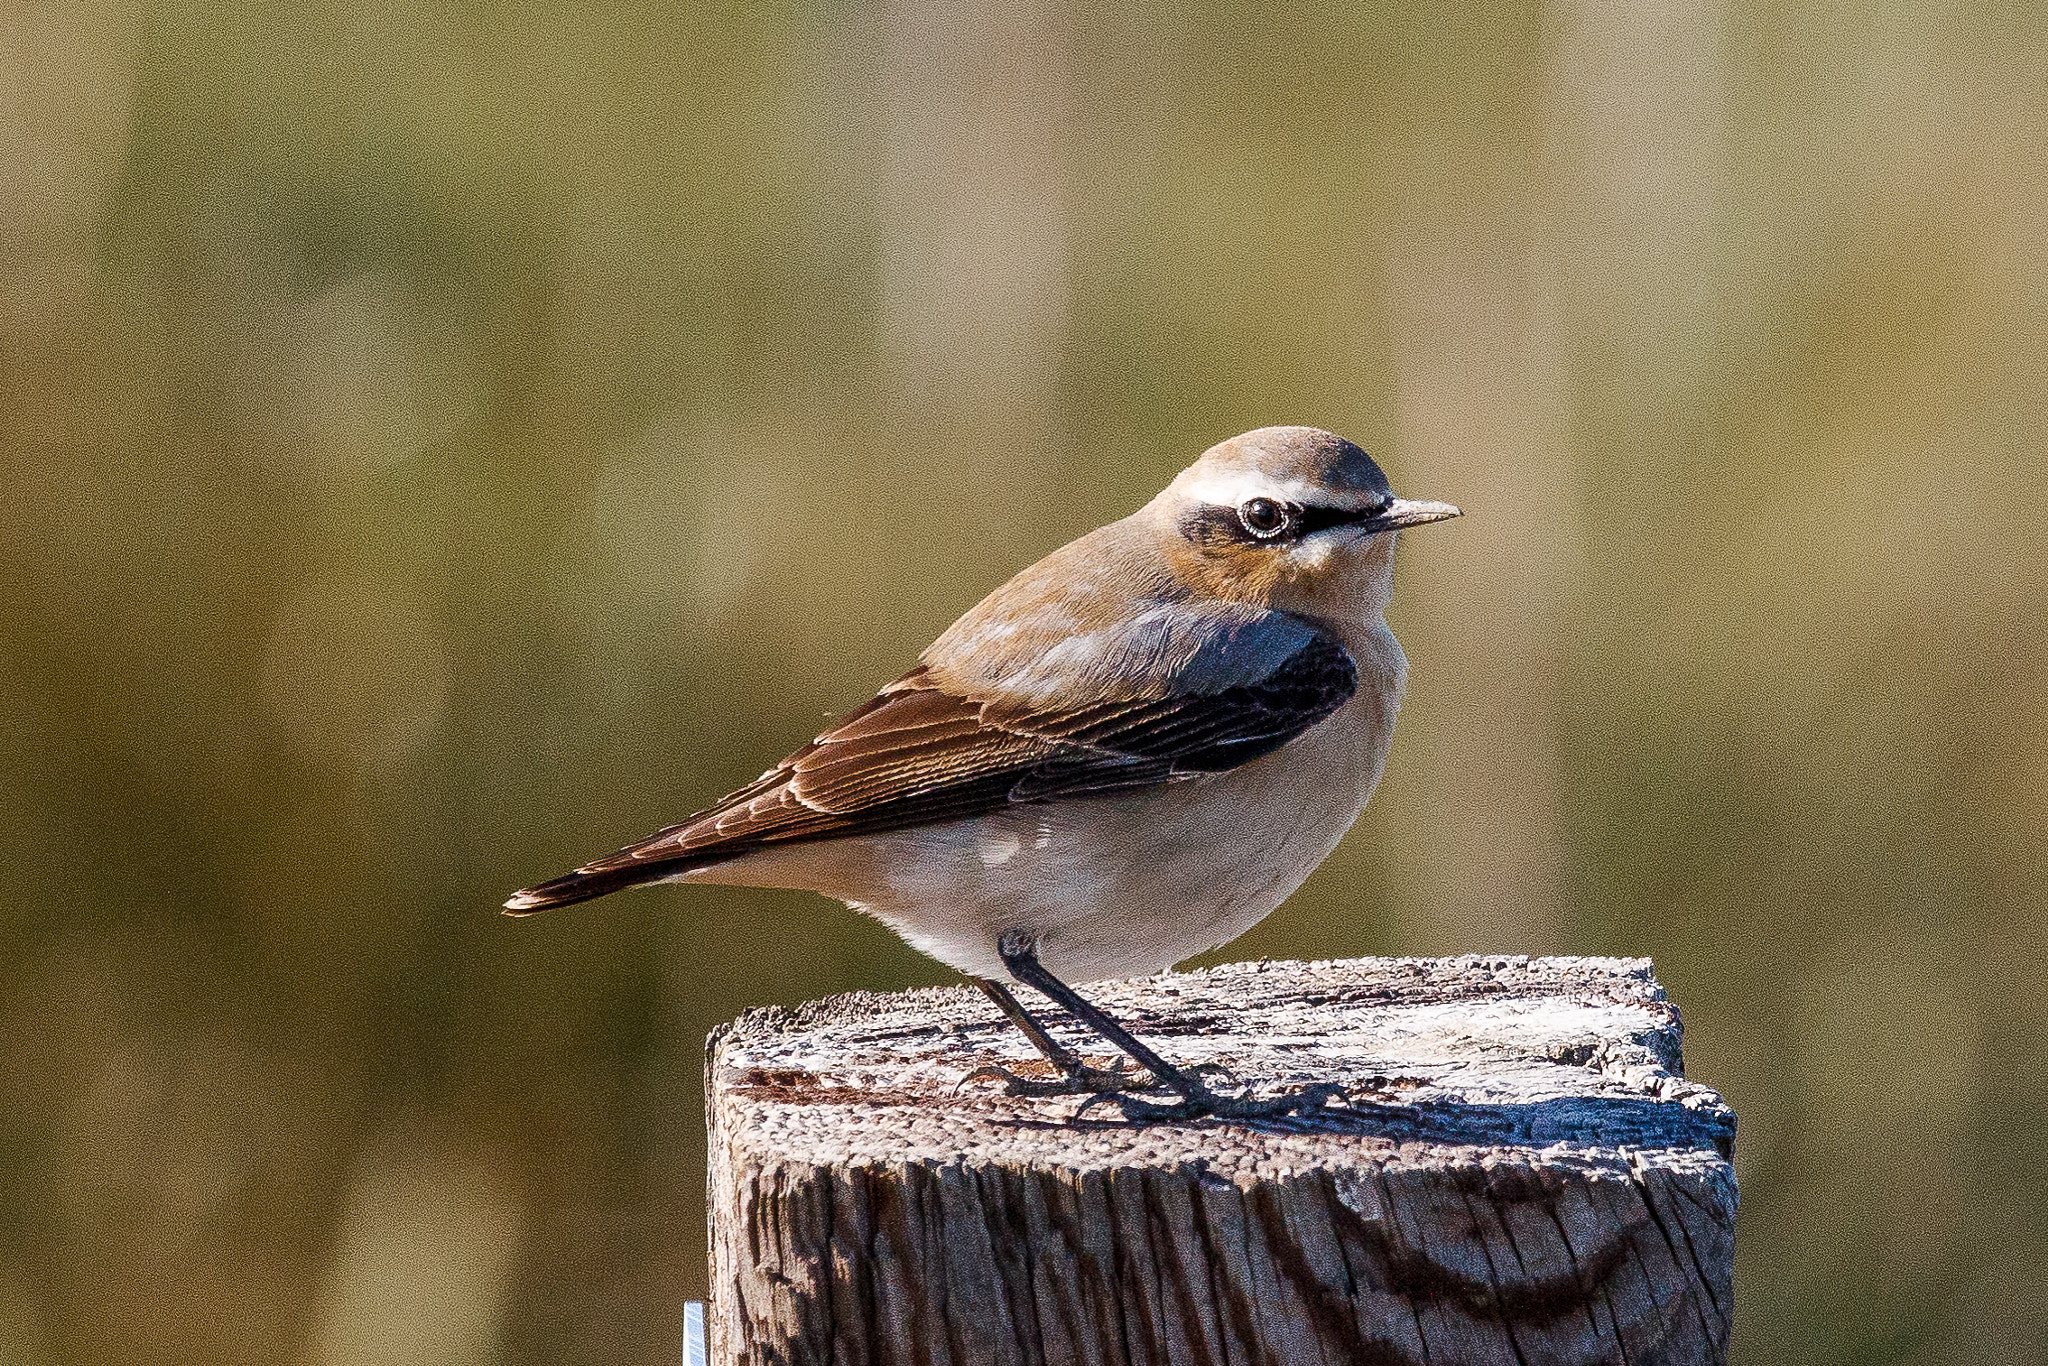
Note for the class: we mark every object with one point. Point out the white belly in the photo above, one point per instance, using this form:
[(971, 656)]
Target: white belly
[(1141, 883), (1120, 886)]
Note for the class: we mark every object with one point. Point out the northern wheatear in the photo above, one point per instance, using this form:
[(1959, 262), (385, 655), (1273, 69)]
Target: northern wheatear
[(1126, 755)]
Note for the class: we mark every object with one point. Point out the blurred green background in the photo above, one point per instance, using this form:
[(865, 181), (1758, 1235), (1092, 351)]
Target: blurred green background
[(442, 444)]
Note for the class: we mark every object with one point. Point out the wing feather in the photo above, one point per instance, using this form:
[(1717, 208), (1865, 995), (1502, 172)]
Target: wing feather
[(919, 754)]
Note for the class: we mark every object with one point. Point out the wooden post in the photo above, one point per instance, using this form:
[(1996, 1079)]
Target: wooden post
[(1522, 1176)]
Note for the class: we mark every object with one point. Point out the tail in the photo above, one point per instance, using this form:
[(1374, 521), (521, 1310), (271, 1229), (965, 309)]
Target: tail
[(662, 855), (585, 884)]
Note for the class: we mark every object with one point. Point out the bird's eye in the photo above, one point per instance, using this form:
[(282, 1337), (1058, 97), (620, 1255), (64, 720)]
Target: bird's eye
[(1263, 517)]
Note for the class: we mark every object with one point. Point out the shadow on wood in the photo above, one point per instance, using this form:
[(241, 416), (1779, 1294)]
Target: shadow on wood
[(1521, 1175)]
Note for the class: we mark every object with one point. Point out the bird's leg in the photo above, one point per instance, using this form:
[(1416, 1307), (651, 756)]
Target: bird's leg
[(1076, 1076), (1020, 956), (1029, 1026)]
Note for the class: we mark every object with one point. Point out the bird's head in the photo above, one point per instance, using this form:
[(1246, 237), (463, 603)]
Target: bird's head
[(1288, 517)]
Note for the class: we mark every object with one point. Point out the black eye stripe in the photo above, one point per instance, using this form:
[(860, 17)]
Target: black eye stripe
[(1216, 527), (1314, 519)]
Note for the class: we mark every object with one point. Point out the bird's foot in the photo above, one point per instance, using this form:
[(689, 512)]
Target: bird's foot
[(1199, 1102), (1078, 1080)]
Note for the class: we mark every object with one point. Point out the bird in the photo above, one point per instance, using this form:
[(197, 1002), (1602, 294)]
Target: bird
[(1127, 755)]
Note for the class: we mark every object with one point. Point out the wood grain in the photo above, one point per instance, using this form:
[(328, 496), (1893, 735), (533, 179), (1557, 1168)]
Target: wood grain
[(1522, 1175)]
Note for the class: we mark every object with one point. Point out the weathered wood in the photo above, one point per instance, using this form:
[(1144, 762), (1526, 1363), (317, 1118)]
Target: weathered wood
[(1522, 1176)]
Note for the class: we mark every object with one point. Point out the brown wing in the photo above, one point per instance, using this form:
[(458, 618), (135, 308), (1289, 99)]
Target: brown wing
[(918, 755)]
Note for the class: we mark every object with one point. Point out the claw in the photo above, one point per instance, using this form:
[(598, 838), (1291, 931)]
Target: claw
[(986, 1072), (1080, 1081), (1196, 1101)]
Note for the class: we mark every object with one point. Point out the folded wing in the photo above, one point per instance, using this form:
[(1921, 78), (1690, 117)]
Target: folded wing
[(922, 753)]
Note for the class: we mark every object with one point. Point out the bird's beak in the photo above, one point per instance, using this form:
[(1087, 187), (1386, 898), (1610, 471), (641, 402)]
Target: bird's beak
[(1405, 512)]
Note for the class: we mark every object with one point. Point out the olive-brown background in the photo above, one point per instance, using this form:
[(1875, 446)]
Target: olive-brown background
[(444, 443)]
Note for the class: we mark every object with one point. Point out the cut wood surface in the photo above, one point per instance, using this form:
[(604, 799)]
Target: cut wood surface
[(1520, 1175)]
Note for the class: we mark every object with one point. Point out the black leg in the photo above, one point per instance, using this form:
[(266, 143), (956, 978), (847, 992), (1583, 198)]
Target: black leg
[(1076, 1076), (1020, 956), (1028, 1026)]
